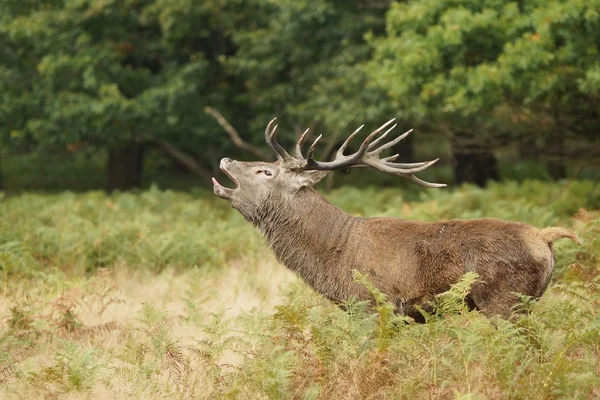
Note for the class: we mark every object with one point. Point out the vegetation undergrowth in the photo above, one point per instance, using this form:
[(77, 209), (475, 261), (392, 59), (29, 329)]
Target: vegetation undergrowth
[(168, 295)]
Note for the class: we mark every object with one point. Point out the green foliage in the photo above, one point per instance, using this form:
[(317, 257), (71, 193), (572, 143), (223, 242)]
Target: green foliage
[(301, 62), (453, 300), (112, 72), (535, 202), (552, 66), (519, 78), (84, 171), (482, 72), (445, 48), (92, 230), (73, 328), (74, 369), (388, 320)]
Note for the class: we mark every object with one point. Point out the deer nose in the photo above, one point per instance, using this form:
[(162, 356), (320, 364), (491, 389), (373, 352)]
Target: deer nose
[(226, 160)]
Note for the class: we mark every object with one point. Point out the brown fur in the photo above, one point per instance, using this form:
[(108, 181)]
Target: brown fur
[(410, 261), (551, 234)]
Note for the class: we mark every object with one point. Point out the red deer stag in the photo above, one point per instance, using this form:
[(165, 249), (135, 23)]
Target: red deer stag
[(410, 261)]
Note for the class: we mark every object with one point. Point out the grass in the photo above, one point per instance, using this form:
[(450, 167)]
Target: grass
[(165, 294)]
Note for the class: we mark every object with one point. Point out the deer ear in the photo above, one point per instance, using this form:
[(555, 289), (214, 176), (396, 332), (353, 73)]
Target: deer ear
[(309, 178)]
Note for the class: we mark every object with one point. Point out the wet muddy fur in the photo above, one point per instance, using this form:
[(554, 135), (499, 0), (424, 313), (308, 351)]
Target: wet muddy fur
[(409, 261)]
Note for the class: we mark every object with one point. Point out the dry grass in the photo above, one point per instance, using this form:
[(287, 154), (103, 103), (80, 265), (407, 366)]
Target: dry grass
[(104, 316), (146, 297)]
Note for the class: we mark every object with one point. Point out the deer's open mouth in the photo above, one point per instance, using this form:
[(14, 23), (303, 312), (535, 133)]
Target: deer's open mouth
[(216, 183), (221, 190)]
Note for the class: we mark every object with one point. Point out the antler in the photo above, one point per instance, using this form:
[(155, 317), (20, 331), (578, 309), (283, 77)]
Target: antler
[(367, 155), (282, 155)]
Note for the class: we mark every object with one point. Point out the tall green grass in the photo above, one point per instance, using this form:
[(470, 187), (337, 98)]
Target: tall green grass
[(80, 232), (163, 294)]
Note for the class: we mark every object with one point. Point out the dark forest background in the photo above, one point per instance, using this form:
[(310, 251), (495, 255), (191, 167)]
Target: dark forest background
[(123, 94)]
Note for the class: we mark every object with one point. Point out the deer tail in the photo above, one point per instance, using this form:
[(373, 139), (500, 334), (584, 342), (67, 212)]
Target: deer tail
[(551, 234)]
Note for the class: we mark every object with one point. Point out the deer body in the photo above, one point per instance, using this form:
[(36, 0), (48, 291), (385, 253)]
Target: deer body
[(410, 261)]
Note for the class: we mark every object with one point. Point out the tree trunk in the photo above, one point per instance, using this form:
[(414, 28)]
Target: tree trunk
[(124, 167), (528, 148), (474, 162), (557, 169)]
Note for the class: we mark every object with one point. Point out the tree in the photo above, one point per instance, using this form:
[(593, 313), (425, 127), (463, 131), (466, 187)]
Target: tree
[(114, 75), (551, 71), (486, 72), (436, 62), (303, 61)]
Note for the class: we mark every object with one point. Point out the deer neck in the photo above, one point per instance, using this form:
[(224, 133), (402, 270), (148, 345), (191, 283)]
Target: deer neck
[(307, 234)]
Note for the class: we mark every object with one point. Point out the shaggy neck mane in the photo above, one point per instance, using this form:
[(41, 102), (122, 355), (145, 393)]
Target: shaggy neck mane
[(306, 233)]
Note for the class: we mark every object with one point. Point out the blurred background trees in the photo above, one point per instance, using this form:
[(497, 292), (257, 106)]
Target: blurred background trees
[(498, 89), (490, 74)]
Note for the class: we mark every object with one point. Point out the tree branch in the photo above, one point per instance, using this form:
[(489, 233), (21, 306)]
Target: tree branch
[(235, 137), (184, 159)]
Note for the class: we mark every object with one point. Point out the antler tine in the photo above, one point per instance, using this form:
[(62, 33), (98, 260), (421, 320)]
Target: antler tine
[(399, 169), (425, 183), (392, 143), (268, 130), (388, 161), (391, 158), (311, 151), (282, 155), (391, 169), (342, 148), (365, 144), (298, 153), (380, 138)]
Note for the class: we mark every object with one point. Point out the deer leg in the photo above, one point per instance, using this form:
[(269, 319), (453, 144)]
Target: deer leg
[(497, 293), (400, 307), (409, 309), (471, 303), (499, 304)]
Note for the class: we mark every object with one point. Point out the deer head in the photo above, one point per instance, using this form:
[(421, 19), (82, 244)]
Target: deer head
[(257, 182)]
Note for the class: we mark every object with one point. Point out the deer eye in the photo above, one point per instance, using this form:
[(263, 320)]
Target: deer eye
[(264, 171)]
